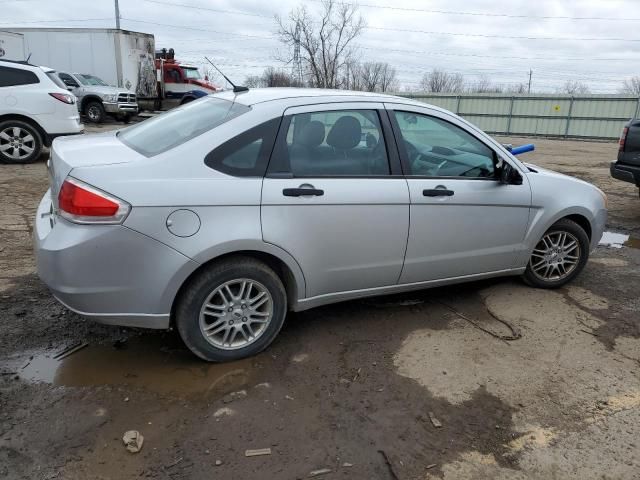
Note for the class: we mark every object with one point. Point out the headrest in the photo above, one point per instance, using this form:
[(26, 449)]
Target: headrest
[(345, 134), (312, 134)]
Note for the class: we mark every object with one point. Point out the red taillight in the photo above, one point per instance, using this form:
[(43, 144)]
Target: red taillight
[(623, 139), (81, 203), (64, 98)]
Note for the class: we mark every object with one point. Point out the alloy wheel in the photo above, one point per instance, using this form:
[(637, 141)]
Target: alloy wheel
[(236, 314), (17, 143), (556, 255), (93, 112)]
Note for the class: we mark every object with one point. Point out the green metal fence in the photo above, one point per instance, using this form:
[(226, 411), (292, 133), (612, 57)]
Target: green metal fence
[(583, 116)]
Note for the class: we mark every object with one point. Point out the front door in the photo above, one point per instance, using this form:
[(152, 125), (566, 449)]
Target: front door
[(334, 198), (463, 220)]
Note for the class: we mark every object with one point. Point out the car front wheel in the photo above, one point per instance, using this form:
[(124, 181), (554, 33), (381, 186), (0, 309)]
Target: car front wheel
[(94, 111), (19, 142), (231, 310), (559, 256)]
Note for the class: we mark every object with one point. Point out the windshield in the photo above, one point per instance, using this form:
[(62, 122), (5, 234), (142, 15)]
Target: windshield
[(191, 73), (87, 79), (173, 128)]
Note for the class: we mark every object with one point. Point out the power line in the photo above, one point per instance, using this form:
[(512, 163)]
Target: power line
[(426, 32), (195, 7), (62, 20), (517, 37), (483, 14), (198, 29)]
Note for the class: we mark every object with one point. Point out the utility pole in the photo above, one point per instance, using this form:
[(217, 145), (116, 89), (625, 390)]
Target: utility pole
[(117, 15), (530, 73)]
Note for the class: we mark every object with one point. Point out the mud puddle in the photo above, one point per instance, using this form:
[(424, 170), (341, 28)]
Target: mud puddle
[(156, 363), (618, 240)]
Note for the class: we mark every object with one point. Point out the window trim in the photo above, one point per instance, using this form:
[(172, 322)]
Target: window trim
[(404, 157), (393, 159)]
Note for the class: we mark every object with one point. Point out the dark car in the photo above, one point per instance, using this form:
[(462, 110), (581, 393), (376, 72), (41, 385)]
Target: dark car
[(627, 167)]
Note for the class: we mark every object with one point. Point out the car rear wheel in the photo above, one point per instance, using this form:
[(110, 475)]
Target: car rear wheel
[(231, 310), (559, 256), (19, 142), (94, 111)]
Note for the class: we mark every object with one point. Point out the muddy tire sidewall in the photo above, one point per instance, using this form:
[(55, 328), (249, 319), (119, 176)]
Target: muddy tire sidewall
[(564, 225), (187, 313)]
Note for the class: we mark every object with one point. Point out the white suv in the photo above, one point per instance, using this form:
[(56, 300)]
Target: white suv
[(35, 107)]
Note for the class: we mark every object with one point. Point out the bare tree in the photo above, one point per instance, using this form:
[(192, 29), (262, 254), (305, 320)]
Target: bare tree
[(631, 86), (326, 43), (484, 85), (574, 87), (253, 81), (518, 88), (441, 81), (373, 77), (272, 77)]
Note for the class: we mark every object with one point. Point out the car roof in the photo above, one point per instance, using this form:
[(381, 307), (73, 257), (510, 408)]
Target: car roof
[(26, 65), (260, 95)]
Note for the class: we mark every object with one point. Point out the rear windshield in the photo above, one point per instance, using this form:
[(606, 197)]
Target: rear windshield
[(54, 78), (177, 126)]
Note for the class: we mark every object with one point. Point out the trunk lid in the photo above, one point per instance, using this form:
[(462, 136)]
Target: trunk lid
[(83, 151)]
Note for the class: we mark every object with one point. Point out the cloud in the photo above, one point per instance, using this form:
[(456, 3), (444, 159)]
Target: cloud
[(245, 44)]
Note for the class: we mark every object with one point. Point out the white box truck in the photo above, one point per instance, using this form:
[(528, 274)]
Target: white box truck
[(119, 57), (11, 46)]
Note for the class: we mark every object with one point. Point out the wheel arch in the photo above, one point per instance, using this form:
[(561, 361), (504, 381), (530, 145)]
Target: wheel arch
[(290, 274), (46, 141), (87, 99), (581, 220)]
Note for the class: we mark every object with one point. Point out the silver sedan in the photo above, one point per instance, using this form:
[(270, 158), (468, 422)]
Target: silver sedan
[(220, 216)]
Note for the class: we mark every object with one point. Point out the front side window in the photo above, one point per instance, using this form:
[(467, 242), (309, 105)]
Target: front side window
[(333, 143), (173, 128), (11, 77), (436, 148)]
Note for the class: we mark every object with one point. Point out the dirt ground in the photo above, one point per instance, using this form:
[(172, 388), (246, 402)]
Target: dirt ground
[(399, 387)]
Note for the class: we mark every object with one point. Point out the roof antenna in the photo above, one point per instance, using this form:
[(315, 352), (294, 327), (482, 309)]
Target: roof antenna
[(27, 60), (236, 88)]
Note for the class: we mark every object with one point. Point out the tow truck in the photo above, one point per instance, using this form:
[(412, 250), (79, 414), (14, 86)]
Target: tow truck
[(179, 83)]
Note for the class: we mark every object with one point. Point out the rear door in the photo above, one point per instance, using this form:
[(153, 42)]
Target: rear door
[(463, 220), (335, 199)]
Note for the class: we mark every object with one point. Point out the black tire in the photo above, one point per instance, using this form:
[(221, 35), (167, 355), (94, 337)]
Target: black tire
[(197, 291), (94, 111), (567, 226), (28, 136), (126, 119)]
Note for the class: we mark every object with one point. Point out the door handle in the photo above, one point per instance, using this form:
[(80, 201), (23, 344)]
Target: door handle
[(301, 192), (437, 192)]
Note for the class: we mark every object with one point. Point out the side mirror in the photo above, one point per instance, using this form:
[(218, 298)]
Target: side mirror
[(70, 88), (509, 175)]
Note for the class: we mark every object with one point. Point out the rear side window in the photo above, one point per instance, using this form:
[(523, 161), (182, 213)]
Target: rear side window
[(54, 78), (168, 130), (247, 154), (11, 77)]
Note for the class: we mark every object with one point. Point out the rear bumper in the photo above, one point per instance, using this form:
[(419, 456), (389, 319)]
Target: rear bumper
[(626, 173), (108, 273)]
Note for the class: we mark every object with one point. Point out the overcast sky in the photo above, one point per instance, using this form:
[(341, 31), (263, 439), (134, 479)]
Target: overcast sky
[(465, 36)]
